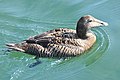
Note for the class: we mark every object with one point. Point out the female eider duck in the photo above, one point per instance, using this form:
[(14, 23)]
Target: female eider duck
[(61, 42)]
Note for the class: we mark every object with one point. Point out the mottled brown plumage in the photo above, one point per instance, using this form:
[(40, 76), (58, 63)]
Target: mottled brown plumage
[(61, 42)]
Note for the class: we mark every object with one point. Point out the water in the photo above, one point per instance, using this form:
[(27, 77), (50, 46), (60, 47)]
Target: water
[(20, 19)]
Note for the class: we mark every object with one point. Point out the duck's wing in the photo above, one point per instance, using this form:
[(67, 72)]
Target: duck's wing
[(60, 48), (51, 36), (62, 36)]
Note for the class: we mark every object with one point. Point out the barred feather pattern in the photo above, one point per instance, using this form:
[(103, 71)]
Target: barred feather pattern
[(60, 43), (53, 50), (65, 48)]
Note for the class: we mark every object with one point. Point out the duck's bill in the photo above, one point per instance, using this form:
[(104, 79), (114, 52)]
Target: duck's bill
[(101, 23), (97, 23)]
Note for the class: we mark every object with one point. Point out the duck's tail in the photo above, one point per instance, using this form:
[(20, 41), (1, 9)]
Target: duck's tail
[(32, 49), (15, 47)]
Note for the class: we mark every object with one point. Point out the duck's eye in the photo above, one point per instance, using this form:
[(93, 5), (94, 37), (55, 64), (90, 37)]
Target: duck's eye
[(89, 20)]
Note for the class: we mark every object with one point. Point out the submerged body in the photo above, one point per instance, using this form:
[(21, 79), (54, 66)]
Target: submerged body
[(61, 42)]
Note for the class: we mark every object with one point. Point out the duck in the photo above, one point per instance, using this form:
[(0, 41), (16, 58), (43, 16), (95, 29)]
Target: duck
[(61, 42)]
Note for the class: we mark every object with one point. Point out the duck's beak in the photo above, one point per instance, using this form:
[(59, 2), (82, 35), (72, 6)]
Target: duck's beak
[(100, 23), (95, 23)]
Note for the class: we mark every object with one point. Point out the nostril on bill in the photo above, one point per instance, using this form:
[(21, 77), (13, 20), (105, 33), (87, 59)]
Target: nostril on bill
[(102, 23)]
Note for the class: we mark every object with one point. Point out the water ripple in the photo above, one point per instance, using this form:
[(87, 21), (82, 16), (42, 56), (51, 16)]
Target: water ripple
[(16, 74), (100, 47)]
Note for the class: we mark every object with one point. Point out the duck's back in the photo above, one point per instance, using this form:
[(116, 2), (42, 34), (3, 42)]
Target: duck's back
[(60, 32)]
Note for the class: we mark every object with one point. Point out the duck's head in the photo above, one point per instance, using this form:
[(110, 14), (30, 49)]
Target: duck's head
[(87, 22)]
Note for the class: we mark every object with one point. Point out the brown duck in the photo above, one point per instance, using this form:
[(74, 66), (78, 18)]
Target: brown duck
[(61, 42)]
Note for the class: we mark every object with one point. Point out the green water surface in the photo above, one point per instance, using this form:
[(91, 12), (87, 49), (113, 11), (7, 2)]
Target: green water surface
[(20, 19)]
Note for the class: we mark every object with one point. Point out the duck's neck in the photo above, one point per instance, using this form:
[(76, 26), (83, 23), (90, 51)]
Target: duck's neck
[(81, 31)]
